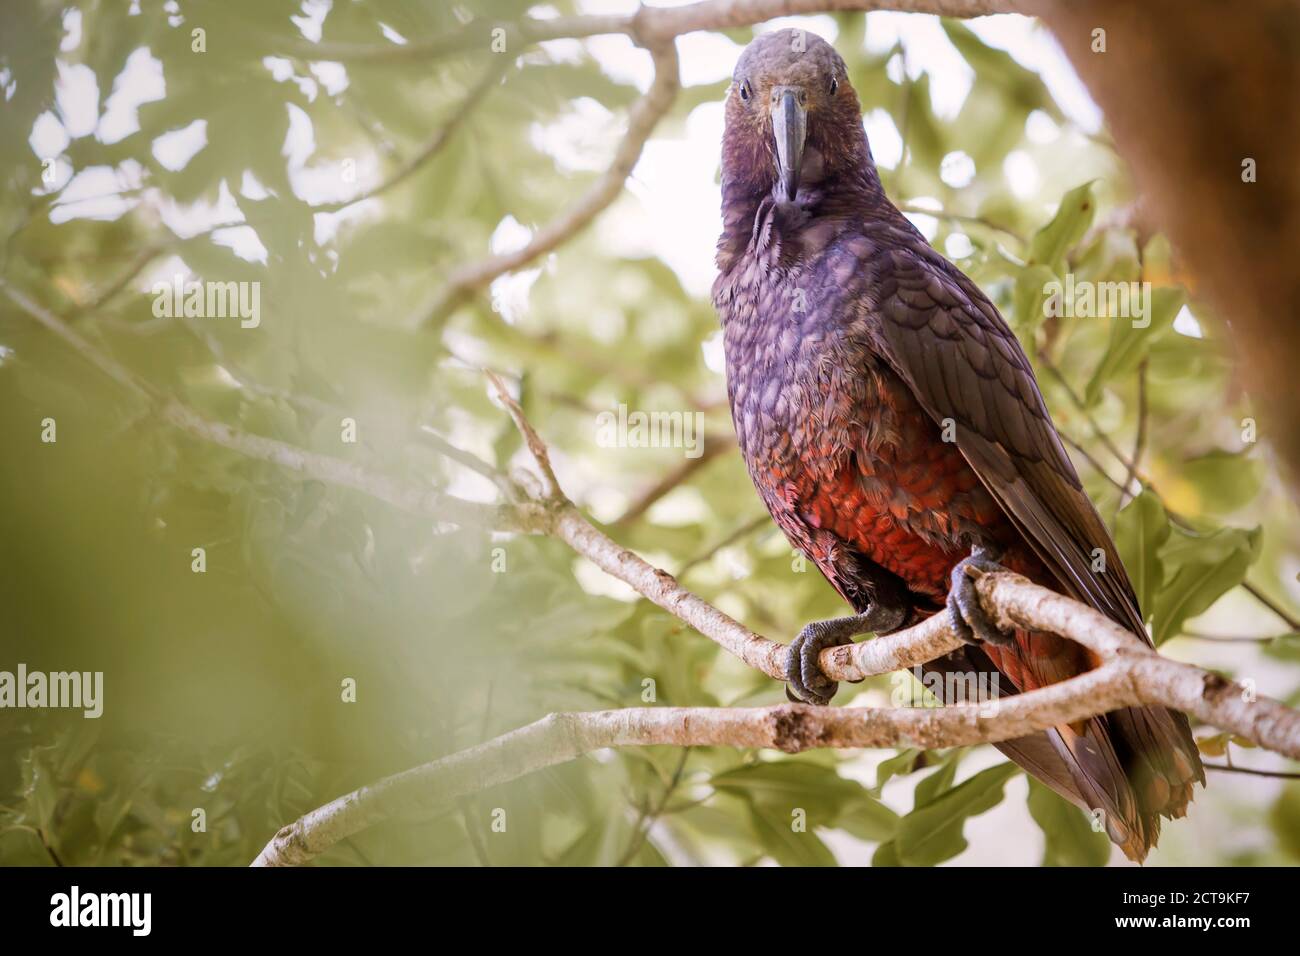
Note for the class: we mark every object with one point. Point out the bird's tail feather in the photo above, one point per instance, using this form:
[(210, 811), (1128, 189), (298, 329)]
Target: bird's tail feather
[(1157, 747), (1127, 769), (1084, 769)]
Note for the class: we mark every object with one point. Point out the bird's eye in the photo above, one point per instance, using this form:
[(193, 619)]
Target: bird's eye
[(744, 90), (835, 85)]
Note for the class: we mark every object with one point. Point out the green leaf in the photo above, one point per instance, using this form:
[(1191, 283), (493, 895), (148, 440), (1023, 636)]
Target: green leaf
[(924, 145), (1022, 88), (1129, 342), (868, 819), (1285, 819), (788, 784), (932, 833), (1030, 294), (648, 855), (1073, 217), (783, 843), (1111, 256), (938, 782), (1217, 745), (1141, 529), (722, 822), (1284, 647), (1224, 480), (886, 855), (774, 790), (1070, 838), (1205, 567), (40, 788), (902, 763), (598, 845)]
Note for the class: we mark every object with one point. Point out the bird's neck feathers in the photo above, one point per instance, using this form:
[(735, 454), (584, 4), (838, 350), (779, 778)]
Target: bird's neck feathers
[(841, 184)]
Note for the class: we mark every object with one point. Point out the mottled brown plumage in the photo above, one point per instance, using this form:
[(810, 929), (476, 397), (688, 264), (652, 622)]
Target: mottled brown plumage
[(851, 347)]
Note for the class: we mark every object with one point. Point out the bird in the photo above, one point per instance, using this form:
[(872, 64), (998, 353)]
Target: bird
[(892, 424)]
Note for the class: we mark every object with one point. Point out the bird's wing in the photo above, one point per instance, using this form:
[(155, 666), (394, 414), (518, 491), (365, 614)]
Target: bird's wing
[(957, 355), (949, 344)]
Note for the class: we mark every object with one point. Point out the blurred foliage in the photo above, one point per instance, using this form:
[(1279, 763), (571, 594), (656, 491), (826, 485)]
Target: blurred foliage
[(223, 688)]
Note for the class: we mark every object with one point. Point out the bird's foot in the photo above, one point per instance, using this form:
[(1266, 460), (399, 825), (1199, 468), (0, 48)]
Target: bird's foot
[(969, 619), (807, 683)]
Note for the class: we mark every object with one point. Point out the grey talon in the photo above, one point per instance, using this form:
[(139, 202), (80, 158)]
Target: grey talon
[(969, 619), (803, 671), (807, 682)]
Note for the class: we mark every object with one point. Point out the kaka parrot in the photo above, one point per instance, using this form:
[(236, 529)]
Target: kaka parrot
[(892, 425)]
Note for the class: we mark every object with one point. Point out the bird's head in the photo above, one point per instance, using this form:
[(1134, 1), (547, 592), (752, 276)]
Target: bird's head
[(792, 118)]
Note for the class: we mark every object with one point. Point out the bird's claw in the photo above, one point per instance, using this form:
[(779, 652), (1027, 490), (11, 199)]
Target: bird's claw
[(808, 684), (969, 619)]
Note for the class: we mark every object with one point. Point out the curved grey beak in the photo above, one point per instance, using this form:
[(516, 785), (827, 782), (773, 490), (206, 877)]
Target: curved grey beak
[(790, 126)]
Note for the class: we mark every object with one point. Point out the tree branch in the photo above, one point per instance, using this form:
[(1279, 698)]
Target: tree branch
[(561, 519), (558, 738), (642, 119), (648, 24), (660, 22), (1137, 678), (1014, 602)]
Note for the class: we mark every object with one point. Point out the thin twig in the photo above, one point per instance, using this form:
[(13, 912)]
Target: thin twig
[(1092, 460), (746, 529), (54, 857), (679, 475), (465, 805), (1140, 441), (1286, 616), (536, 447), (138, 264), (649, 814), (1197, 636), (642, 119), (1225, 768), (474, 463), (1077, 401), (496, 69)]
